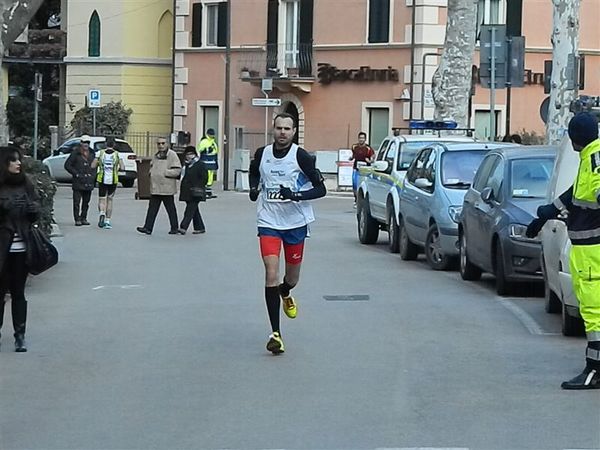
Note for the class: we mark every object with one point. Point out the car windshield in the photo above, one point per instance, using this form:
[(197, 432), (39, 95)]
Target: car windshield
[(409, 151), (458, 167), (120, 146), (530, 177)]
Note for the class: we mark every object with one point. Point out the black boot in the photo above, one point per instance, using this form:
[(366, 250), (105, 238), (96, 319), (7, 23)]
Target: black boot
[(588, 379), (20, 345)]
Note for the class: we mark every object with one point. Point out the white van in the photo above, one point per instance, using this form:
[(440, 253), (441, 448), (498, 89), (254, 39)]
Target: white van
[(556, 246)]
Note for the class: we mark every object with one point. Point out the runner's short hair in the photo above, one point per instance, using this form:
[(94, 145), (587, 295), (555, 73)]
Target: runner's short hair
[(110, 142), (285, 116)]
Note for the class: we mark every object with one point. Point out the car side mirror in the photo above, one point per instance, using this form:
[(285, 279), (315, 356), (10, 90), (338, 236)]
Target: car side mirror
[(423, 183), (380, 166), (487, 195), (55, 152)]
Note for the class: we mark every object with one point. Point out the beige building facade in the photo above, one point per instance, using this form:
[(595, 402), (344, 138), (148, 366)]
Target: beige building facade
[(345, 66), (123, 49)]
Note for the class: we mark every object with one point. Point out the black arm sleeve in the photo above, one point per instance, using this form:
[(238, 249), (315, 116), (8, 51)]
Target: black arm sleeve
[(307, 163), (69, 164), (254, 172), (565, 200)]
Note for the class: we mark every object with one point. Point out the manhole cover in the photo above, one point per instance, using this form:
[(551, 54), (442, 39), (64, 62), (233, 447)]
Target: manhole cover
[(346, 298)]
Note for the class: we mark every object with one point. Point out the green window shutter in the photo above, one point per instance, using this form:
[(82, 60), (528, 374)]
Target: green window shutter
[(272, 25), (379, 21), (197, 25), (222, 25), (94, 35)]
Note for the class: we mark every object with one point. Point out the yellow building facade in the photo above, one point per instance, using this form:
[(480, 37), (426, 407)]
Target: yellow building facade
[(124, 49)]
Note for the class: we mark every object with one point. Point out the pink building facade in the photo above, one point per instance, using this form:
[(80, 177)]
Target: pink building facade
[(344, 66)]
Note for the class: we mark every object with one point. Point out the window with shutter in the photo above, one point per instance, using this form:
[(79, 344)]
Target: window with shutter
[(197, 25), (379, 21), (209, 24)]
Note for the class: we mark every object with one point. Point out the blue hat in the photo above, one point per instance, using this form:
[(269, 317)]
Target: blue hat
[(583, 128), (210, 132)]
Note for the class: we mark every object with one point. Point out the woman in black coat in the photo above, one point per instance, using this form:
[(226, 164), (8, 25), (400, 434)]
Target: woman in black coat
[(19, 209), (192, 190)]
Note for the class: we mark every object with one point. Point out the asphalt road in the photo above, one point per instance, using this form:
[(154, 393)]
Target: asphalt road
[(157, 342)]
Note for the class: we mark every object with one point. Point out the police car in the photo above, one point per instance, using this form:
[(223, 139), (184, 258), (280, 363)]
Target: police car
[(379, 185)]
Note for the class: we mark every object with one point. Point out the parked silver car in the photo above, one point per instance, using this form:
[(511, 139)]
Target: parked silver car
[(432, 196)]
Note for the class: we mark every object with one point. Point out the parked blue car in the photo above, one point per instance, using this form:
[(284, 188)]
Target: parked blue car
[(508, 188), (432, 197)]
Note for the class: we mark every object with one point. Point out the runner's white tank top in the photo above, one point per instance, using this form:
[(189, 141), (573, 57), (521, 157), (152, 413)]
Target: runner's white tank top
[(272, 211)]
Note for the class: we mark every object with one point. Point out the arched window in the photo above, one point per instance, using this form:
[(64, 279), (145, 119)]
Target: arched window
[(165, 35), (94, 35)]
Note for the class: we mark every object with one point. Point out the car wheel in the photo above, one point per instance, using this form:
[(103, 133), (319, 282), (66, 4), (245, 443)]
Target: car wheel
[(503, 286), (368, 228), (393, 236), (571, 326), (408, 250), (436, 258), (468, 271), (127, 183)]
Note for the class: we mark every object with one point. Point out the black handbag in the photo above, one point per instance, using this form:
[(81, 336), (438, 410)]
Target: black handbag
[(198, 193), (41, 254)]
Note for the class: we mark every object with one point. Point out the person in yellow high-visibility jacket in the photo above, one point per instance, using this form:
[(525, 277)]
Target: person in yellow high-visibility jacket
[(208, 150), (582, 201)]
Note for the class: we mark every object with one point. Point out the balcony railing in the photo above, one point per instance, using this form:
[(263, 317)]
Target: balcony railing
[(278, 61)]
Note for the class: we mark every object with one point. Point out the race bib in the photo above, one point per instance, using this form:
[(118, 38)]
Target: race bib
[(273, 195)]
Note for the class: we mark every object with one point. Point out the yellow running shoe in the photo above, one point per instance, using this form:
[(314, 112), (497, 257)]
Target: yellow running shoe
[(275, 344), (289, 307)]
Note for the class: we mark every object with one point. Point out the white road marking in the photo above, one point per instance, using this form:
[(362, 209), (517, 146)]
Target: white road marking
[(524, 317), (118, 286)]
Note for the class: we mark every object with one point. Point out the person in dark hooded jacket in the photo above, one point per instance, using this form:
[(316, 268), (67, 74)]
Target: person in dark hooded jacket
[(19, 209), (192, 190), (80, 165)]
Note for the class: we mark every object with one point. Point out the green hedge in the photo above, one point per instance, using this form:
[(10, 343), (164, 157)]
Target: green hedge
[(46, 188)]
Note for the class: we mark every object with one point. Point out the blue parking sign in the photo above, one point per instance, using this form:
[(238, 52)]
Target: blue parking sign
[(94, 97)]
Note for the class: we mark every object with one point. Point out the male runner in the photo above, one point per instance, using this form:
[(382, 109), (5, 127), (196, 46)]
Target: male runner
[(283, 177)]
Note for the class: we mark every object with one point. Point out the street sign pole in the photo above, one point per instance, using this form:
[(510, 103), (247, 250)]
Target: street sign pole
[(266, 121), (493, 86), (266, 87), (36, 112), (94, 120)]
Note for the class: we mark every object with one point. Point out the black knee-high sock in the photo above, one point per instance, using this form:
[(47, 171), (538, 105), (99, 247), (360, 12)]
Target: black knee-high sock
[(285, 288), (273, 302)]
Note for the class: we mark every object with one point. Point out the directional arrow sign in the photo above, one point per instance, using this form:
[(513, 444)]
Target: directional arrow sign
[(266, 102)]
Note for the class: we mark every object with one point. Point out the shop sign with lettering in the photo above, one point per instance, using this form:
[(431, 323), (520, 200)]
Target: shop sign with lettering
[(328, 74), (531, 78)]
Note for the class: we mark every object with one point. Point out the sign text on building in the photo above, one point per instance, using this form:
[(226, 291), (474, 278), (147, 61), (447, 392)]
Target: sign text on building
[(328, 74)]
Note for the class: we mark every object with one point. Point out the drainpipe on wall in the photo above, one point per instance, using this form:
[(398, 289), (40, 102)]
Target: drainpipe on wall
[(227, 140), (173, 66), (412, 58)]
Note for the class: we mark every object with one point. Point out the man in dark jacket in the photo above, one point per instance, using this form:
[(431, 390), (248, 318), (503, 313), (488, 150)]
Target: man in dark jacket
[(79, 165), (192, 190)]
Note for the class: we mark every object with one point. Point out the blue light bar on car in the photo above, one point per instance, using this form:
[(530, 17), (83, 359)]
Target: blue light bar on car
[(433, 124)]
